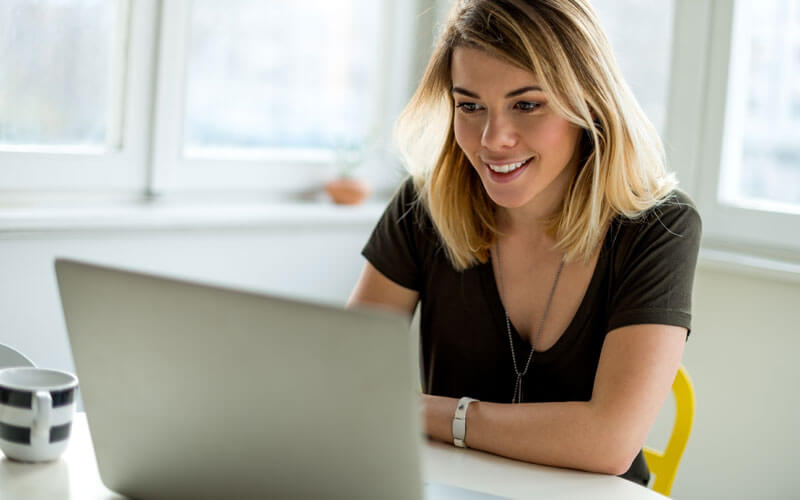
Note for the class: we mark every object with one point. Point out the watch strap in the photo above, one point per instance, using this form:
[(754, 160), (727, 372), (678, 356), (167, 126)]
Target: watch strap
[(460, 422)]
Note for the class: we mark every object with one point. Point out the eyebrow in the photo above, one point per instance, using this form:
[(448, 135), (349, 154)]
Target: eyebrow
[(513, 93)]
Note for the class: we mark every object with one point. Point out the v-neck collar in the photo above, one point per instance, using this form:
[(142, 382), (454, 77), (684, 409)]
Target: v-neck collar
[(522, 347)]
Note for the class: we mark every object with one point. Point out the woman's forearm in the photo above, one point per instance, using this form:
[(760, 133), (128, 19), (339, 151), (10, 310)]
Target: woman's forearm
[(577, 435)]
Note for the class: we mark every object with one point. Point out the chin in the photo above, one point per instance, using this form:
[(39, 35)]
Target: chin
[(507, 196), (508, 199)]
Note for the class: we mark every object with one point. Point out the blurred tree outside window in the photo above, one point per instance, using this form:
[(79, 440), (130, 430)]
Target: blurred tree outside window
[(60, 77), (277, 74), (764, 171)]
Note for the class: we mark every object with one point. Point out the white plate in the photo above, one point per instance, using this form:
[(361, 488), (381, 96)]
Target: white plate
[(11, 357)]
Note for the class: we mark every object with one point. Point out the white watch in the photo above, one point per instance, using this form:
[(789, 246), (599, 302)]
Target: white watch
[(460, 422)]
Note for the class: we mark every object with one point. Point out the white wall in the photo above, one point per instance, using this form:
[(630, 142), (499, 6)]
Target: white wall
[(742, 354), (315, 261), (743, 358)]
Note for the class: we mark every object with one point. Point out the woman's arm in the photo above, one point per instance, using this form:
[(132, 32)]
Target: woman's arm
[(375, 289), (634, 376)]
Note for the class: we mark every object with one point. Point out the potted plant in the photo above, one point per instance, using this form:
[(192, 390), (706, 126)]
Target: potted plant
[(346, 189)]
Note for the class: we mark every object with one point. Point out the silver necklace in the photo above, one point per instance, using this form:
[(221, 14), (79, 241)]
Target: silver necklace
[(517, 396)]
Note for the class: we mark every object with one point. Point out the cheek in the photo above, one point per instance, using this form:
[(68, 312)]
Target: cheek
[(466, 135), (558, 137)]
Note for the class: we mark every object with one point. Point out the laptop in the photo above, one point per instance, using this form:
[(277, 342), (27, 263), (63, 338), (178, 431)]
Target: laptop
[(205, 392)]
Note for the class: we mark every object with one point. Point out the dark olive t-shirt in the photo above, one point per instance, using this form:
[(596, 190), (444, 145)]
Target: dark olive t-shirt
[(644, 274)]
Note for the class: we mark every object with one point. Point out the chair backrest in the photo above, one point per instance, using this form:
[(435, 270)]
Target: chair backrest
[(10, 357), (664, 464)]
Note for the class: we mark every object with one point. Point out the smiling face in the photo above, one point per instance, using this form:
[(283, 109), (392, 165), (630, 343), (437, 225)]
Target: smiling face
[(524, 151)]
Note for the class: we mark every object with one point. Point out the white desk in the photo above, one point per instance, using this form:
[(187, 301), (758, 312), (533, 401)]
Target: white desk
[(75, 476)]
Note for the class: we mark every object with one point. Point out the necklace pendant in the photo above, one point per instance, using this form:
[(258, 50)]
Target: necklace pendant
[(517, 397)]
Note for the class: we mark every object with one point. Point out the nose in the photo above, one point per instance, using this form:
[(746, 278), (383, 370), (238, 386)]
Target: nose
[(498, 132)]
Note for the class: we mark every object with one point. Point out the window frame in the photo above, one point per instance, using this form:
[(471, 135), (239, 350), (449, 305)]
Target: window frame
[(119, 170), (702, 132), (174, 173), (147, 163), (698, 132)]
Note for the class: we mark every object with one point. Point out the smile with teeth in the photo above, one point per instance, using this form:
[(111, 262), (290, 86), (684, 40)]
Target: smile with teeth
[(508, 167)]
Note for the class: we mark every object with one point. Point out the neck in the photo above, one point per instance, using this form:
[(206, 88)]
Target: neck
[(528, 220), (532, 221)]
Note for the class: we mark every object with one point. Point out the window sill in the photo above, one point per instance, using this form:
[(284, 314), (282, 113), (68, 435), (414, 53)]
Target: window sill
[(750, 264), (159, 215)]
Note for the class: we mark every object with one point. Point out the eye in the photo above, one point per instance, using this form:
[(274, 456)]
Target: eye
[(528, 106), (467, 107)]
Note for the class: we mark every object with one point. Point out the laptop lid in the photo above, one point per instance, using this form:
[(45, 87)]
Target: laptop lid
[(196, 391)]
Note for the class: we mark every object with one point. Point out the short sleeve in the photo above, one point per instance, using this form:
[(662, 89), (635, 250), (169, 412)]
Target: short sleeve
[(394, 247), (655, 265)]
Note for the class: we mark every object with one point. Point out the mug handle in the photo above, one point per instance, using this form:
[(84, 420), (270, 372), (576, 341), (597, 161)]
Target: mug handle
[(42, 410)]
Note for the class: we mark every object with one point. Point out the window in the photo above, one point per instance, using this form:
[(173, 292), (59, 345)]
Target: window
[(747, 137), (763, 168), (279, 75), (72, 115), (63, 93), (199, 96), (640, 32), (180, 95), (271, 90)]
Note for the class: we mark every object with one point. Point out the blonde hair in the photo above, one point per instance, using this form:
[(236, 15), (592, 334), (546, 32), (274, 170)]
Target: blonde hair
[(621, 167)]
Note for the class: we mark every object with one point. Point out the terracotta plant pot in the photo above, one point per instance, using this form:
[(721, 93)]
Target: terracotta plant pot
[(347, 191)]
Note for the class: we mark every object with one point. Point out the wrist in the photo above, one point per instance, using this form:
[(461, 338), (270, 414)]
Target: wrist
[(459, 425)]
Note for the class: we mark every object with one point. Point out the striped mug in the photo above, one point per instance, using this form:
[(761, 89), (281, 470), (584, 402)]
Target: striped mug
[(36, 408)]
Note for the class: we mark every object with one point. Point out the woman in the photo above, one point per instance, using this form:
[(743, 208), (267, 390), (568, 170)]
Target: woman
[(548, 248)]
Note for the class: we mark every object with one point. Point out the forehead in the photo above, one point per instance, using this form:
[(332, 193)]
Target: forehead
[(476, 70)]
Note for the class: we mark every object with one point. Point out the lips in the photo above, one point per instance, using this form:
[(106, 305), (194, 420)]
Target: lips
[(507, 171), (506, 167)]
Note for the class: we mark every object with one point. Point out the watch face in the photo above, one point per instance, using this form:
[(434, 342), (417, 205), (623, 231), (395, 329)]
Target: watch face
[(459, 422), (459, 428)]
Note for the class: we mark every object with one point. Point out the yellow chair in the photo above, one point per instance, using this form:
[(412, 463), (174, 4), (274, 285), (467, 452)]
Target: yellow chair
[(664, 464)]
